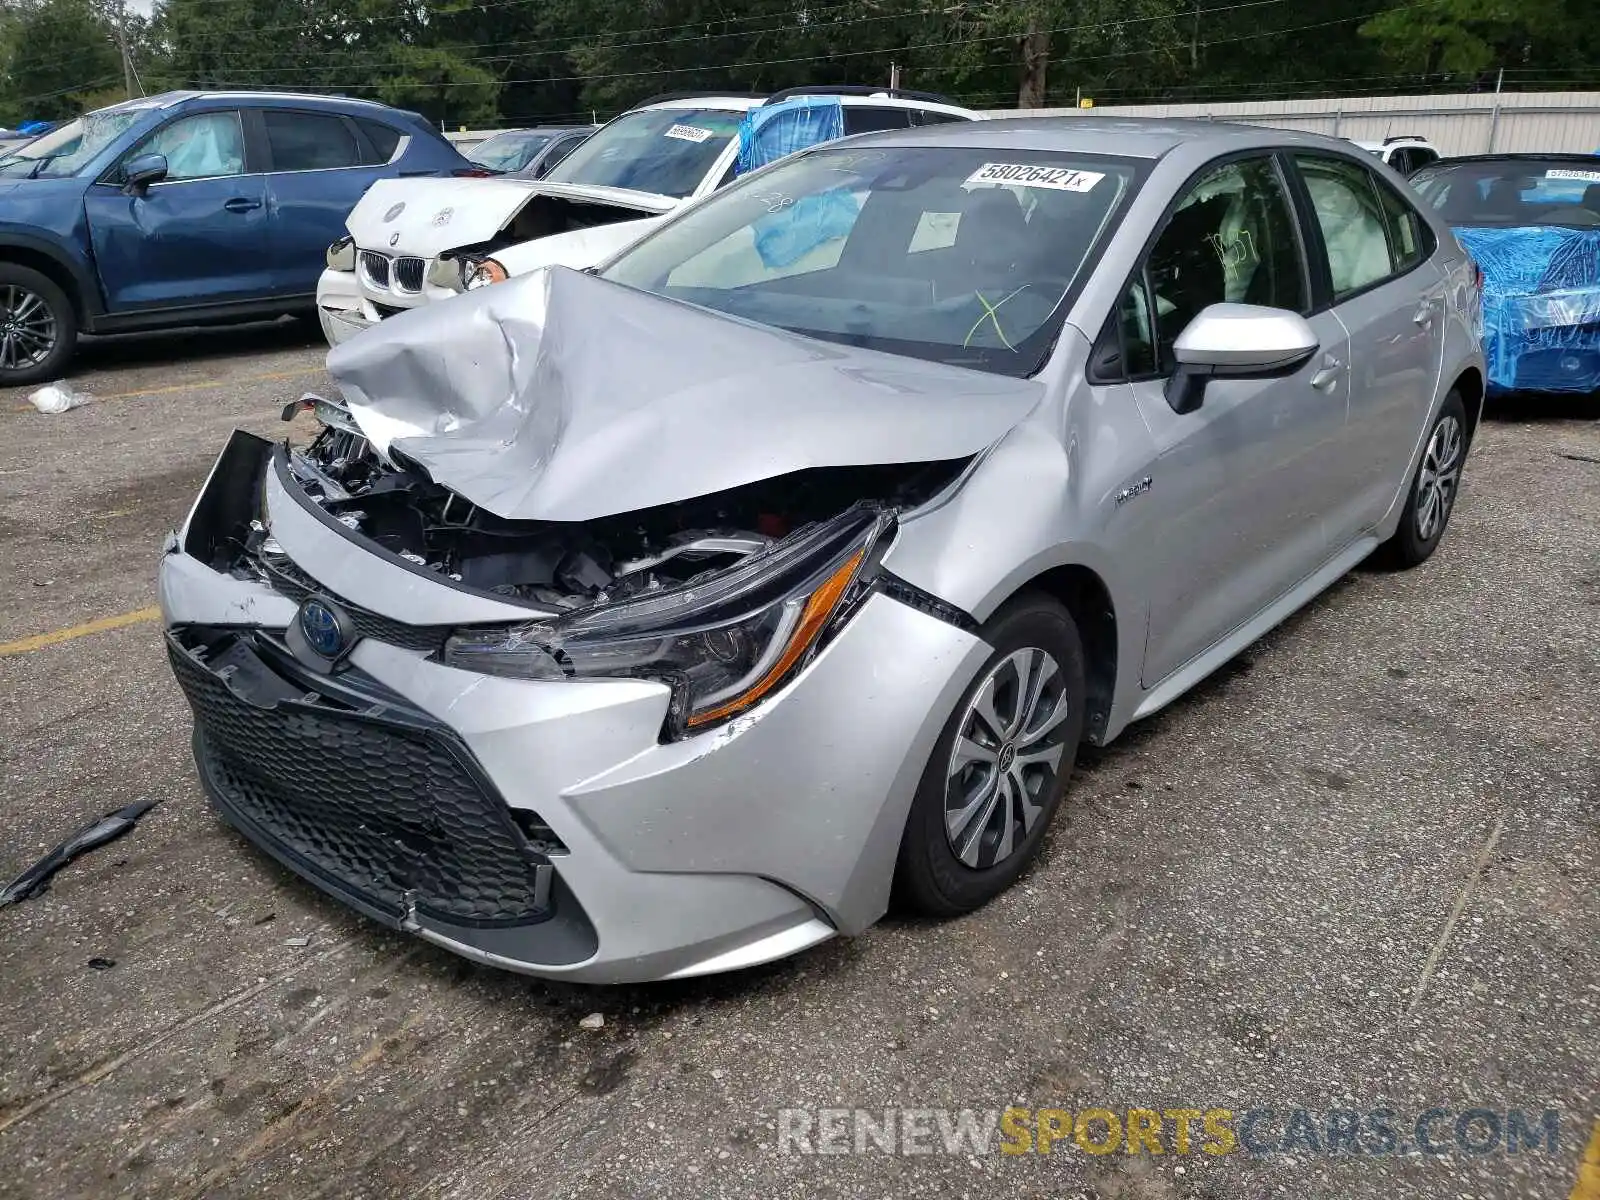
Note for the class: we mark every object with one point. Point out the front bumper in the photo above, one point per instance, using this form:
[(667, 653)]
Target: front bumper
[(348, 305), (740, 845)]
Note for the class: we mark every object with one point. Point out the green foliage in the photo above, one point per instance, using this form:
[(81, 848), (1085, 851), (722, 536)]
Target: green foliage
[(481, 61), (53, 55)]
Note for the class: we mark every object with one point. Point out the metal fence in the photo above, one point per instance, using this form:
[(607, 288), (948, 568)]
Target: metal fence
[(1475, 123)]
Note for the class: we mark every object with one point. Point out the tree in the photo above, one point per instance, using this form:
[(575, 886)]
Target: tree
[(53, 55)]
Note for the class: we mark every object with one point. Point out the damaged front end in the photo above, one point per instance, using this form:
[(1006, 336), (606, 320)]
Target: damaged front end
[(723, 598)]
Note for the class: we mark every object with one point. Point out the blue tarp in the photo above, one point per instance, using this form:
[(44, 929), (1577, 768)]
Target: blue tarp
[(768, 133), (1541, 306), (795, 229)]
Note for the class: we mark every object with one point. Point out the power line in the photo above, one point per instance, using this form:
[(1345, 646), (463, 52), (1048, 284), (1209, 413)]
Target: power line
[(888, 50)]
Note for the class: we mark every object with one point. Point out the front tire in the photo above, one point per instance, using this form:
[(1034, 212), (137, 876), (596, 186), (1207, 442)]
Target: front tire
[(1000, 767), (38, 327), (1434, 488)]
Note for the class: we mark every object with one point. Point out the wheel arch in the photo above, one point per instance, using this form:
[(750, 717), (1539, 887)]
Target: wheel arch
[(1469, 385), (1084, 594), (72, 278)]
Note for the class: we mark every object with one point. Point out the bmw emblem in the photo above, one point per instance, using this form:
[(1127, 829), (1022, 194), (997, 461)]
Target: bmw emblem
[(325, 627), (394, 211), (394, 238)]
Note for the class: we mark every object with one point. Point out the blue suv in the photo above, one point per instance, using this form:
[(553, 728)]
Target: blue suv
[(184, 209)]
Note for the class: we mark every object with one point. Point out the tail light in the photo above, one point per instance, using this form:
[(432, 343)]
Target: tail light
[(1477, 275), (473, 173)]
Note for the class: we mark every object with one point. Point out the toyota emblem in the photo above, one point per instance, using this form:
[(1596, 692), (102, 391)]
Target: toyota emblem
[(325, 628)]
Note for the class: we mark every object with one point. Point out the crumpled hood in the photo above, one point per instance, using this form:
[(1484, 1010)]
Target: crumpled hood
[(577, 248), (559, 396), (434, 215)]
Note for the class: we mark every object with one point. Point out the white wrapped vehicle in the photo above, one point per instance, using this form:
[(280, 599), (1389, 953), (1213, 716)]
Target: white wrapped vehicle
[(414, 241)]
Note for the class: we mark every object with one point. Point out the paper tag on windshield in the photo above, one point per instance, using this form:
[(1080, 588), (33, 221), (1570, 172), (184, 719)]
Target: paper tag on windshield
[(688, 133), (1058, 179), (1586, 176)]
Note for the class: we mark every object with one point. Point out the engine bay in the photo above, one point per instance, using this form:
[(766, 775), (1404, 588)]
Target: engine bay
[(568, 565)]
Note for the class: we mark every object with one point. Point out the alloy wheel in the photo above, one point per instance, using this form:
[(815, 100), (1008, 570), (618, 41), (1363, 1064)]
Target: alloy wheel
[(1437, 480), (1006, 758), (27, 328)]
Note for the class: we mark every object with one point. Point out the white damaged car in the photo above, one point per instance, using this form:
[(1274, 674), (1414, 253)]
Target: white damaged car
[(412, 241)]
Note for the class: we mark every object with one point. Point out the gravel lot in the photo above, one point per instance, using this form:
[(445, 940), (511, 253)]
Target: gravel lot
[(1355, 871)]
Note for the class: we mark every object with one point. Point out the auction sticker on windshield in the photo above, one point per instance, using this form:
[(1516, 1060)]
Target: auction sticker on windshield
[(1059, 179), (1586, 176), (688, 133)]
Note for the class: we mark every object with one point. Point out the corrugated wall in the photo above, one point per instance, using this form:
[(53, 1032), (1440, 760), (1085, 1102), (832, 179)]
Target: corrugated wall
[(1466, 124)]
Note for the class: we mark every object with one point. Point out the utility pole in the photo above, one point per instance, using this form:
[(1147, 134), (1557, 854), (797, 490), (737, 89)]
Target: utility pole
[(118, 14), (894, 77)]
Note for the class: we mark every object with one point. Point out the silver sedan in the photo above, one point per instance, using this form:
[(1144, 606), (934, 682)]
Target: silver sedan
[(675, 617)]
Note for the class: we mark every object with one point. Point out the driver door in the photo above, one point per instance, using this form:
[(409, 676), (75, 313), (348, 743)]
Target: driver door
[(197, 237), (1232, 517)]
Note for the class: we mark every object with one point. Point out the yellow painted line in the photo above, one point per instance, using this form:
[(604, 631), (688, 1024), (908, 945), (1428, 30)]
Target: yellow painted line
[(1588, 1185), (173, 389), (40, 640)]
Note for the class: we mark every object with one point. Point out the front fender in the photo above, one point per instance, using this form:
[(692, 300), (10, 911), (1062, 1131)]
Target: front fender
[(70, 260)]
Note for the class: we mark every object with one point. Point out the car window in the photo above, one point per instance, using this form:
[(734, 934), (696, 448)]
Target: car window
[(508, 151), (665, 151), (923, 116), (1421, 156), (1355, 230), (309, 141), (67, 150), (204, 146), (1230, 240), (561, 149), (934, 252), (1513, 191), (868, 118), (1400, 160), (1409, 242), (385, 140)]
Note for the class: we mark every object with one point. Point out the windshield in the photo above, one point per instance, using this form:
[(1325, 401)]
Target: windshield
[(1513, 192), (509, 151), (666, 151), (961, 256), (67, 150)]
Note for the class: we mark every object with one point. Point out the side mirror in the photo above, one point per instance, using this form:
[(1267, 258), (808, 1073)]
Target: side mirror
[(1236, 341), (139, 173)]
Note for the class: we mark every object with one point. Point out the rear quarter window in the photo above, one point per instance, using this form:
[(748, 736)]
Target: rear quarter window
[(384, 139)]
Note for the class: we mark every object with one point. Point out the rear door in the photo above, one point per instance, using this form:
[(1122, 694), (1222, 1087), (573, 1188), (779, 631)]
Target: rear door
[(319, 164), (199, 236), (1374, 254), (1230, 517)]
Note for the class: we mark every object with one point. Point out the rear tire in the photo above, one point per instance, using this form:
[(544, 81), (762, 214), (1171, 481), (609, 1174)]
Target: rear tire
[(1434, 488), (38, 327), (980, 814)]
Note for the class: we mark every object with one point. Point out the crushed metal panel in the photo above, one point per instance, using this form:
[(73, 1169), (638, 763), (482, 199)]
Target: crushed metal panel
[(559, 396)]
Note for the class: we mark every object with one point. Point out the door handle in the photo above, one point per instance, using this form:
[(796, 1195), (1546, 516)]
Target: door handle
[(241, 204), (1328, 374)]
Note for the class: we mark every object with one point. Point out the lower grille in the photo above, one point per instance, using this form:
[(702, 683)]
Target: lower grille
[(353, 787), (375, 267), (409, 274)]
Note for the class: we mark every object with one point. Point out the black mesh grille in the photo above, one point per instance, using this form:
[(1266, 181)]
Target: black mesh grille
[(408, 273), (370, 798), (376, 267), (290, 581)]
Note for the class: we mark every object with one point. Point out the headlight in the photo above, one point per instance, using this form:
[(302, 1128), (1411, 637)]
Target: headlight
[(342, 255), (722, 643), (477, 273)]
